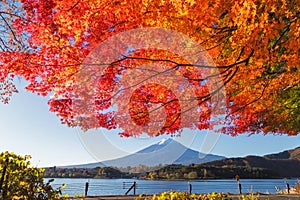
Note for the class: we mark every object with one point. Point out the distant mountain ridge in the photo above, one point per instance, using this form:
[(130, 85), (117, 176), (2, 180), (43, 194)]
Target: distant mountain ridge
[(165, 152), (280, 165), (289, 154)]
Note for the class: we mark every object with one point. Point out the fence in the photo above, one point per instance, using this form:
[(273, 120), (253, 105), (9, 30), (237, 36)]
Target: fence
[(120, 187)]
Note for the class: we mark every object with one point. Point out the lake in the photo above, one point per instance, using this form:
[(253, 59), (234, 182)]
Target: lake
[(120, 186)]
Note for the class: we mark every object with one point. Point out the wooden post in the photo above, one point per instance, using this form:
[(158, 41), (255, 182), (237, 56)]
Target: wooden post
[(86, 188), (288, 188), (190, 188), (134, 188)]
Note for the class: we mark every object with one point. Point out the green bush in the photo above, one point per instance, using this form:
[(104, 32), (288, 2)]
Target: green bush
[(19, 180)]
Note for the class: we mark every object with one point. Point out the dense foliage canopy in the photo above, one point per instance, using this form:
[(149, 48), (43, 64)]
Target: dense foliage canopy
[(253, 43)]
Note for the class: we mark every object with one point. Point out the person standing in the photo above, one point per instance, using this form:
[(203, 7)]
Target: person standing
[(237, 178)]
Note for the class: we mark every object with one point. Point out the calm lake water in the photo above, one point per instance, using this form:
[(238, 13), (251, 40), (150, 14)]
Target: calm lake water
[(120, 186)]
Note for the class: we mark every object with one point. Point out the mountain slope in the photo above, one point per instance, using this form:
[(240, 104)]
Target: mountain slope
[(280, 165), (165, 152), (289, 154)]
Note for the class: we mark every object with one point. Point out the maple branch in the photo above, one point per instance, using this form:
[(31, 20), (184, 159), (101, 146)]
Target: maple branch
[(13, 14), (5, 46), (225, 29), (287, 28), (246, 60), (202, 98), (11, 30), (207, 97), (251, 102), (73, 6), (136, 84), (174, 121)]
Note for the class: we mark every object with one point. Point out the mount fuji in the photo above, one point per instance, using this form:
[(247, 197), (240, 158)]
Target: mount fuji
[(165, 152)]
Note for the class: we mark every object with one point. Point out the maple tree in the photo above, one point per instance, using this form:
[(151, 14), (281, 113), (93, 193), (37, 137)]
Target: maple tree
[(254, 45)]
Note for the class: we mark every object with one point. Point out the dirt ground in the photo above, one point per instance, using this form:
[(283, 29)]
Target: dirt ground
[(273, 197)]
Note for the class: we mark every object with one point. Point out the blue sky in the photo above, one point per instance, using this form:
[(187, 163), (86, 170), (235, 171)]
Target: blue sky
[(28, 128)]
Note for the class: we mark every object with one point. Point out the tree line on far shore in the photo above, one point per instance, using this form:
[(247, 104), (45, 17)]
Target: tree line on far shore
[(170, 172)]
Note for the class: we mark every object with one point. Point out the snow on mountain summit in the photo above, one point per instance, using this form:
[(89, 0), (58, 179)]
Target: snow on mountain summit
[(164, 141)]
